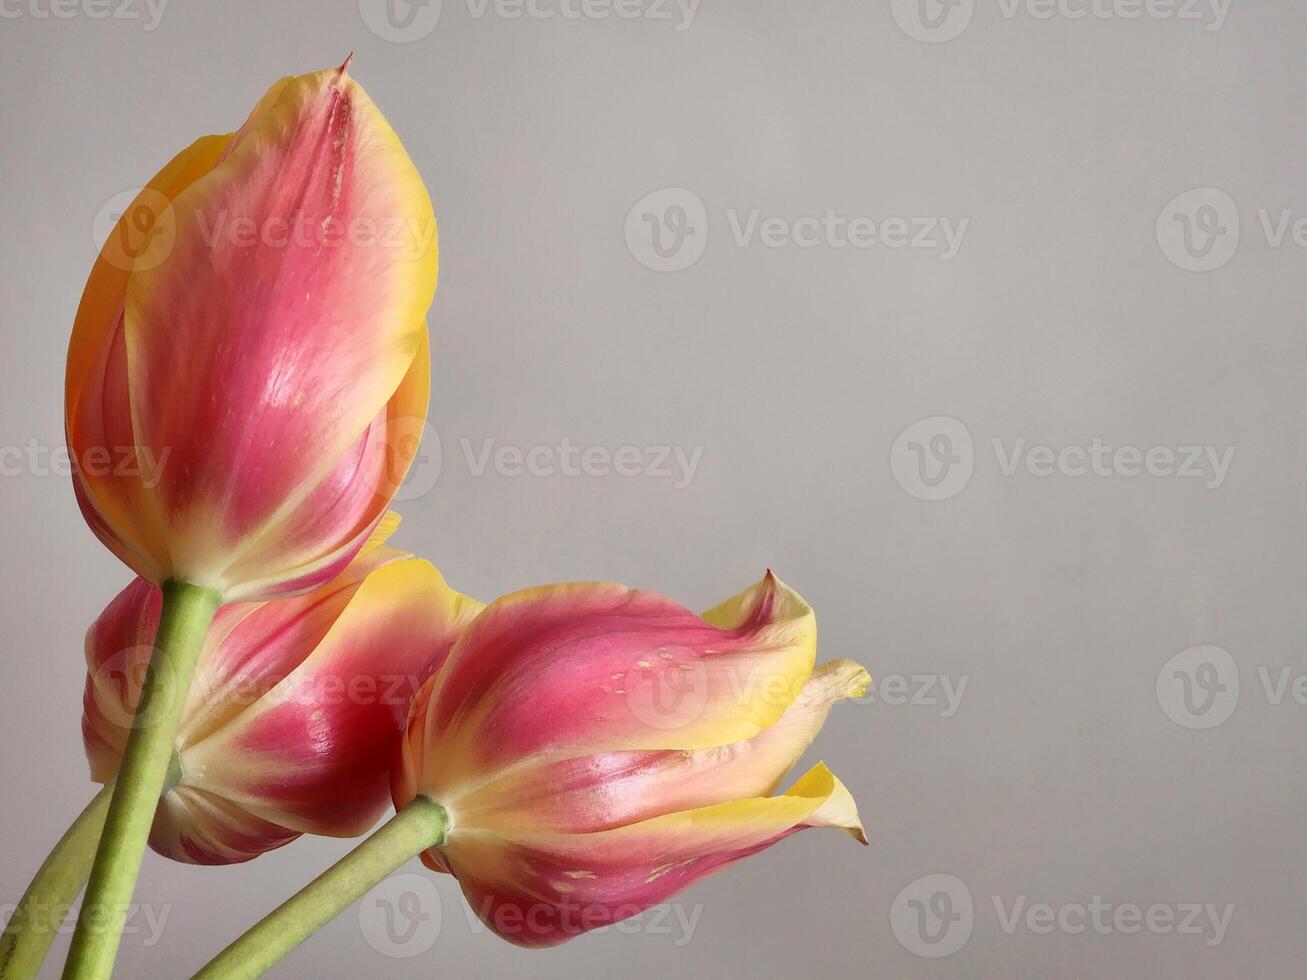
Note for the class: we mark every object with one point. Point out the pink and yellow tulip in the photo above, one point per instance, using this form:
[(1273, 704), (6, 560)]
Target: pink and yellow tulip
[(598, 749), (296, 709), (248, 371)]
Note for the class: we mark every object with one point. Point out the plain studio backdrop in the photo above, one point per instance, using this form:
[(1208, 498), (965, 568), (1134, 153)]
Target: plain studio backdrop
[(980, 323)]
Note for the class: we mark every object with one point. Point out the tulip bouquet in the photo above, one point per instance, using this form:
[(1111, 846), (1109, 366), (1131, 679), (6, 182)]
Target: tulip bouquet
[(278, 669)]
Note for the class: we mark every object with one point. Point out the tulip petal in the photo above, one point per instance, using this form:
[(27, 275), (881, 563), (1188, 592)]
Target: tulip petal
[(538, 889), (314, 751), (315, 243), (196, 827), (253, 647), (107, 471), (571, 670), (343, 504), (118, 649), (596, 793)]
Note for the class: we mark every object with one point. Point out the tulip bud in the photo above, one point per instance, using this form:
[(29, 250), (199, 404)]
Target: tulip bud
[(297, 706), (248, 371), (599, 749)]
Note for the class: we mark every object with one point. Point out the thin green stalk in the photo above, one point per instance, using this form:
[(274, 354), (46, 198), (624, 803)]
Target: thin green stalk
[(183, 623), (50, 896), (420, 825)]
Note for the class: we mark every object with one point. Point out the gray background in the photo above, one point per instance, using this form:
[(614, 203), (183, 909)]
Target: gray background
[(1067, 771)]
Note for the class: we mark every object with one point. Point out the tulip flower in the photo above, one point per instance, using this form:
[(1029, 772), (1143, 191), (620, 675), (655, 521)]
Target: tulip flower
[(294, 718), (246, 382), (250, 354), (587, 751)]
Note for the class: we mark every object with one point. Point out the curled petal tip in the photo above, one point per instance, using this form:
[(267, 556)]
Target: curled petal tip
[(845, 678)]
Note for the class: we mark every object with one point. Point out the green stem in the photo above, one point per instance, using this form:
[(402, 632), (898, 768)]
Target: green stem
[(420, 825), (183, 624), (50, 896)]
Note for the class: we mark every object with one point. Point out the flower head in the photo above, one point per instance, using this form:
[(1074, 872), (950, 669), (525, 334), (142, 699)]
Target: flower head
[(248, 371), (296, 709), (598, 749)]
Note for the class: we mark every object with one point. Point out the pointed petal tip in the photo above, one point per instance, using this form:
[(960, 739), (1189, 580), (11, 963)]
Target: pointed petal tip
[(343, 70)]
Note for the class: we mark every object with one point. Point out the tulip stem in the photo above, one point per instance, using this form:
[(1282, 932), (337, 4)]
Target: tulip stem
[(49, 898), (183, 624), (420, 825)]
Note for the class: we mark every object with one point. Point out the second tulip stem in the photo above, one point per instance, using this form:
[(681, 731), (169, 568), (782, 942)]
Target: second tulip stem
[(183, 624), (420, 825), (40, 914)]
